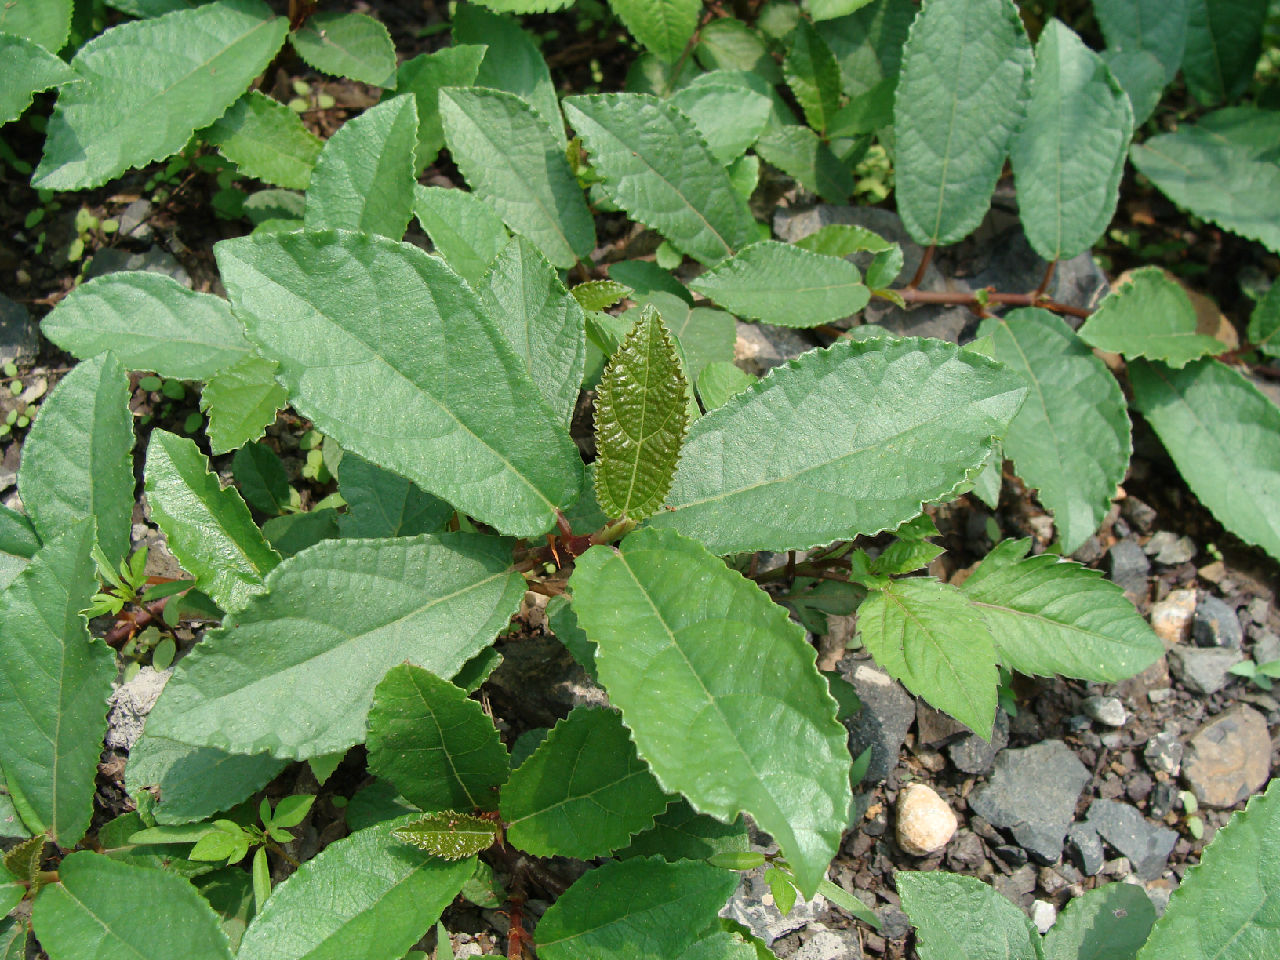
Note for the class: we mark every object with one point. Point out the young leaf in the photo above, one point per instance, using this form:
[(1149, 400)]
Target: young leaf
[(962, 918), (208, 527), (703, 335), (1151, 316), (46, 22), (463, 228), (241, 402), (1224, 436), (29, 68), (363, 178), (383, 504), (640, 421), (1068, 156), (643, 909), (659, 610), (383, 312), (195, 782), (150, 322), (599, 294), (813, 75), (76, 461), (347, 45), (366, 896), (198, 62), (115, 911), (1107, 923), (449, 834), (798, 152), (266, 140), (927, 635), (434, 743), (1264, 324), (729, 109), (1071, 439), (435, 601), (960, 100), (261, 478), (584, 791), (423, 76), (901, 423), (681, 833), (663, 26), (782, 284), (656, 167), (719, 381), (1224, 38)]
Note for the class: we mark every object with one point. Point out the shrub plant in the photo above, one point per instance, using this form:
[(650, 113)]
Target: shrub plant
[(441, 387)]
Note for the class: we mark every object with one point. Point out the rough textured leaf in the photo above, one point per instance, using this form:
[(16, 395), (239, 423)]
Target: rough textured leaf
[(364, 177), (1110, 922), (544, 325), (507, 156), (868, 43), (1227, 906), (76, 460), (857, 437), (599, 294), (464, 229), (665, 27), (1224, 38), (266, 140), (719, 381), (367, 896), (584, 791), (347, 45), (54, 685), (813, 75), (423, 76), (704, 335), (199, 61), (1051, 617), (374, 337), (798, 152), (13, 940), (28, 69), (434, 744), (785, 285), (681, 833), (1224, 436), (729, 44), (1141, 75), (150, 322), (1157, 27), (335, 619), (194, 783), (1149, 315), (46, 22), (450, 834), (640, 421), (241, 402), (729, 110), (18, 543), (959, 101), (383, 504), (642, 909), (208, 528), (962, 918), (1071, 439), (656, 167), (1068, 156), (1264, 324), (115, 911), (525, 6), (660, 610)]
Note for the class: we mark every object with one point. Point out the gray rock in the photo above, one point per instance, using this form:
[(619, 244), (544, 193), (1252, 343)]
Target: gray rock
[(1146, 845), (1163, 753), (972, 754), (882, 723), (1086, 848), (1139, 513), (1043, 915), (1170, 549), (1229, 758), (1108, 711), (1266, 646), (1216, 625), (752, 906), (761, 347), (1129, 566), (1259, 610), (1203, 669), (894, 923), (1033, 793), (19, 340), (1162, 798), (935, 728), (130, 705), (114, 260), (133, 221), (827, 944), (1017, 886)]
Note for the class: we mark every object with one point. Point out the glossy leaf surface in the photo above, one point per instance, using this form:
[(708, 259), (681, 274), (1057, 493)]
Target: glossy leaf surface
[(449, 834)]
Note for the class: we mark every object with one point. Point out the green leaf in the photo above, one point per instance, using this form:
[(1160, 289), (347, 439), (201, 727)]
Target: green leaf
[(17, 536), (656, 167), (208, 527), (1068, 156), (46, 22), (434, 601), (375, 803), (294, 532), (198, 63), (261, 478), (1226, 906), (960, 100), (584, 791), (364, 177), (350, 45), (1141, 75), (719, 381), (642, 909), (383, 312), (450, 834), (434, 744), (464, 229), (241, 402), (525, 6), (645, 277), (195, 782), (869, 43), (564, 626), (729, 44), (150, 322), (832, 9), (29, 68), (664, 27), (813, 75), (115, 911), (729, 110), (905, 556), (1149, 315), (383, 504), (640, 421), (504, 151), (860, 434), (660, 610), (1224, 38), (704, 335), (599, 294), (1071, 439), (1156, 27), (1264, 324), (76, 460), (1107, 923), (961, 918), (544, 325), (366, 896), (23, 861), (13, 939), (927, 635), (266, 140), (1053, 617), (681, 833), (1224, 437), (723, 945), (783, 284), (423, 76), (798, 152)]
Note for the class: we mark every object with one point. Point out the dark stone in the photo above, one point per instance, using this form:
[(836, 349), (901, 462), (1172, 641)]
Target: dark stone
[(18, 338), (1086, 848), (1141, 514), (1216, 625), (1014, 856), (1129, 566), (1162, 799), (966, 851), (972, 754), (894, 923), (1017, 886), (1204, 669), (1146, 845), (1139, 786), (882, 723), (935, 728), (114, 260), (1163, 753)]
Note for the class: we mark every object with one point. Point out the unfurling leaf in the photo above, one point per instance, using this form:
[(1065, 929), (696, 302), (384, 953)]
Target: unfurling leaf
[(449, 834)]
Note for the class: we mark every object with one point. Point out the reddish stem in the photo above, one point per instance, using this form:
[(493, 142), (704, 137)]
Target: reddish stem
[(924, 265)]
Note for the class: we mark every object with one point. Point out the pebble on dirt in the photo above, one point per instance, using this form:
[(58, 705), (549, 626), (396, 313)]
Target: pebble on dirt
[(972, 754), (1163, 753), (1108, 711), (1216, 625), (1204, 669), (925, 822), (1171, 617), (882, 723), (1146, 845), (1229, 758), (1129, 567)]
